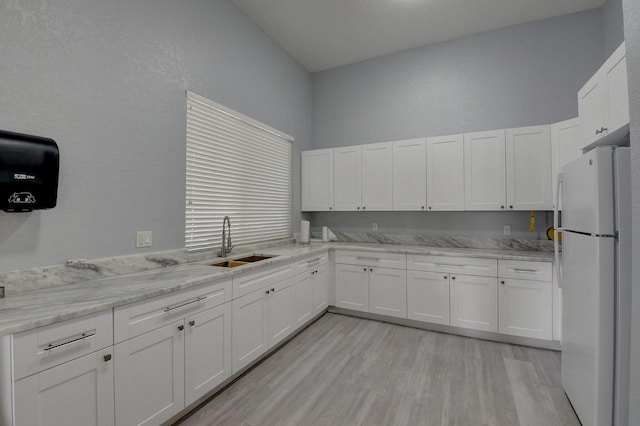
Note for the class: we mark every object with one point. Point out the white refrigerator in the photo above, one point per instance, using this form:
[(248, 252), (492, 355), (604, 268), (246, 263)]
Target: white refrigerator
[(595, 276)]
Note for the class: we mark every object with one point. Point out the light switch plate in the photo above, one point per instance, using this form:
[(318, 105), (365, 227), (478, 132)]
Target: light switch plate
[(143, 239)]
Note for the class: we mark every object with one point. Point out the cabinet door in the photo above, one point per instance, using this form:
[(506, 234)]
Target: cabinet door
[(428, 297), (388, 292), (445, 173), (566, 146), (474, 302), (484, 171), (377, 176), (525, 308), (317, 180), (347, 178), (557, 309), (615, 76), (352, 288), (321, 281), (207, 351), (149, 376), (409, 175), (250, 328), (281, 311), (529, 168), (592, 98), (303, 292), (78, 392)]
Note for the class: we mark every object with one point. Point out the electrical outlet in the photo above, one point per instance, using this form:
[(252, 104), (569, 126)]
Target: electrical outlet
[(507, 230), (143, 239), (375, 226)]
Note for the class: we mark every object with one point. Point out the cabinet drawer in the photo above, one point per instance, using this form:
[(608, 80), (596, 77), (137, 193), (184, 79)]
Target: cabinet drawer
[(310, 263), (250, 282), (138, 318), (368, 258), (453, 265), (45, 347), (527, 270)]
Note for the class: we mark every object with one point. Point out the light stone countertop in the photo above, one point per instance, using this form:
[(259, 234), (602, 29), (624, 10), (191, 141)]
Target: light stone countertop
[(48, 306)]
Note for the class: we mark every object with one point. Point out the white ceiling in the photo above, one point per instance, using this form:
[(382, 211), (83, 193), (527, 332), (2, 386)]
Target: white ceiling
[(323, 34)]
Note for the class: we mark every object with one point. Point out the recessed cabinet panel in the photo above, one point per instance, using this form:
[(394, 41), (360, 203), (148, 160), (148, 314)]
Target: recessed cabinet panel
[(303, 291), (615, 71), (591, 99), (484, 170), (409, 175), (528, 162), (388, 292), (321, 285), (525, 308), (566, 146), (474, 302), (445, 173), (428, 297), (347, 178), (377, 176), (352, 291), (250, 337), (281, 311), (317, 180)]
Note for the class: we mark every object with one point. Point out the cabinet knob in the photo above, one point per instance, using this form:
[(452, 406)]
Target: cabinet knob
[(365, 269), (510, 207), (502, 207), (429, 207), (358, 207), (267, 291), (363, 207), (107, 358), (445, 277), (330, 208), (273, 290), (192, 323), (370, 269), (422, 207), (602, 130), (453, 278), (501, 282), (181, 327)]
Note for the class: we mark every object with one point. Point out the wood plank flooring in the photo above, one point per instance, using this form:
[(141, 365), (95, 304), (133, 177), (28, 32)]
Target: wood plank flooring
[(350, 371)]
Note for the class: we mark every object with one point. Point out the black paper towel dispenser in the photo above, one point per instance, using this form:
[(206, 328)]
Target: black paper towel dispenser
[(28, 172)]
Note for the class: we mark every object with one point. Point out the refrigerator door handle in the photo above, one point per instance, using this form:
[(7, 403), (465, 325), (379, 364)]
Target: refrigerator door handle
[(557, 230)]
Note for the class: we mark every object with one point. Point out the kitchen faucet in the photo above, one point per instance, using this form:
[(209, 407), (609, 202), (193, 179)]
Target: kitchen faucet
[(225, 248)]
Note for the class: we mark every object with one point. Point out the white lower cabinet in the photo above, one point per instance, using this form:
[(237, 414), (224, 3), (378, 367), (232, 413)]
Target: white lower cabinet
[(78, 392), (321, 285), (261, 320), (149, 376), (388, 292), (352, 287), (474, 302), (311, 293), (428, 297), (526, 299)]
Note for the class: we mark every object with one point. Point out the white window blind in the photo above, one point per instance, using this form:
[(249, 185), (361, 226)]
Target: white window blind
[(236, 167)]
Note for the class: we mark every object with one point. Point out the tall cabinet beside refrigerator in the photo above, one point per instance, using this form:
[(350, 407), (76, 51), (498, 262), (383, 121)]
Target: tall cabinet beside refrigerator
[(595, 277)]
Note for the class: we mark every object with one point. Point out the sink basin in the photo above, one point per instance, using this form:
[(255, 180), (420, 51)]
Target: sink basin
[(228, 264), (239, 262)]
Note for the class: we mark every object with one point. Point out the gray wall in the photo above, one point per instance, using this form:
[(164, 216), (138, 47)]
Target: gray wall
[(518, 76), (107, 81), (612, 26), (632, 43)]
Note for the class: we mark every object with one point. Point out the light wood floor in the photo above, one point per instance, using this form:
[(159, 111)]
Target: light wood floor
[(350, 371)]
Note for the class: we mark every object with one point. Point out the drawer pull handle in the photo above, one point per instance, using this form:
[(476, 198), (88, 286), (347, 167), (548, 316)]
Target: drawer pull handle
[(314, 260), (107, 358), (196, 300), (450, 264), (192, 323), (181, 327), (375, 259), (73, 339), (530, 271)]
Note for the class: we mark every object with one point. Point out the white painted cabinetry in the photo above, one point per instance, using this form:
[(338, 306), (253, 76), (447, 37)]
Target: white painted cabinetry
[(347, 178), (410, 175), (525, 298), (566, 146), (484, 171), (445, 173), (311, 288), (528, 162), (474, 302), (428, 297), (171, 350), (263, 312), (317, 180), (377, 176), (603, 102), (63, 373), (371, 282)]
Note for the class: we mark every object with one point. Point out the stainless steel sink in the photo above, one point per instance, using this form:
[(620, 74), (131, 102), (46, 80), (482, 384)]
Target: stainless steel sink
[(241, 261)]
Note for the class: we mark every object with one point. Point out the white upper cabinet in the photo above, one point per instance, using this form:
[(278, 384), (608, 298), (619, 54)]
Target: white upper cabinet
[(528, 164), (445, 173), (484, 170), (317, 180), (409, 175), (603, 102), (566, 146), (347, 185), (377, 176)]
